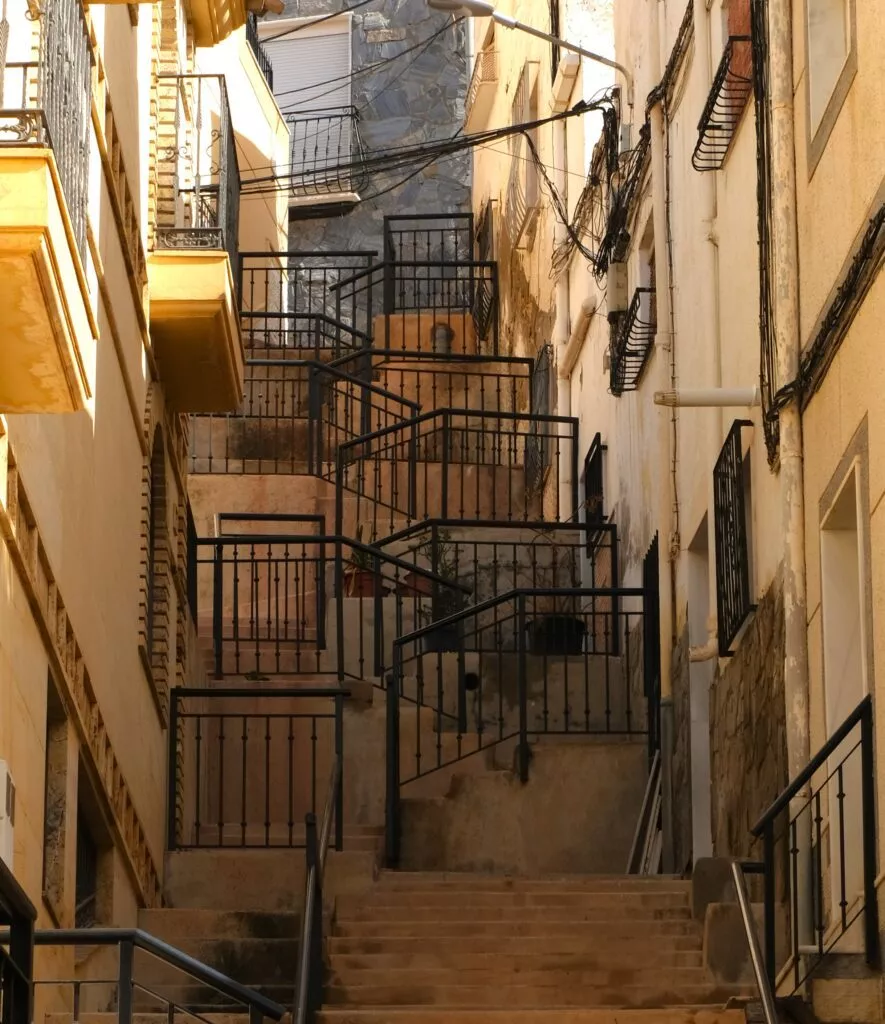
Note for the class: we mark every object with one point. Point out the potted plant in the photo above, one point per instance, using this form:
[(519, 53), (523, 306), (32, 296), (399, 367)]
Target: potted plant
[(555, 625), (360, 576), (444, 600)]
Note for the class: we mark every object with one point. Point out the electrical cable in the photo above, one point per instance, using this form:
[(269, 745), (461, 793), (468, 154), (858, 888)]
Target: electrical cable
[(315, 21)]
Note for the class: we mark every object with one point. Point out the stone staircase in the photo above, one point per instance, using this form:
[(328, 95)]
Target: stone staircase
[(437, 948)]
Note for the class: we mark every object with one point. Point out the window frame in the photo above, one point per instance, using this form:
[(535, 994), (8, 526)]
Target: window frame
[(817, 137)]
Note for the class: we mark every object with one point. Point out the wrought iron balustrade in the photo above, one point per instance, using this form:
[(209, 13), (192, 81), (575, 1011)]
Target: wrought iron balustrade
[(206, 173), (327, 152), (820, 856), (289, 301), (732, 87), (594, 492), (632, 338), (541, 661), (294, 415), (17, 914), (261, 55), (47, 102), (733, 601), (538, 452), (428, 237), (456, 464), (248, 763)]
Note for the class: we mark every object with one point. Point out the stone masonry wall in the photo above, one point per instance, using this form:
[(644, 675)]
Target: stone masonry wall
[(417, 98), (747, 728)]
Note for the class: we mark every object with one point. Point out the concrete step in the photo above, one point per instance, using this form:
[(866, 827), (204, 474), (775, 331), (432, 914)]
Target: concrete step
[(578, 943), (454, 957), (392, 1015), (414, 881), (667, 993), (357, 911), (184, 925), (180, 1017), (385, 901), (504, 979), (543, 928)]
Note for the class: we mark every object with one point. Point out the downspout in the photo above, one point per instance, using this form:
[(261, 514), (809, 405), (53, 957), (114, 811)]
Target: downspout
[(666, 486), (785, 300), (566, 74)]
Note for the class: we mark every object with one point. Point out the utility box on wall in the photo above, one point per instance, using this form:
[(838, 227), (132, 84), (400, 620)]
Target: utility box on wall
[(7, 815)]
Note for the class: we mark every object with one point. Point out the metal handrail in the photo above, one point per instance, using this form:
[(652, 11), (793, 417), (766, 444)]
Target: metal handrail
[(281, 314), (818, 761), (419, 355), (765, 992), (367, 549), (171, 955), (313, 891), (384, 264)]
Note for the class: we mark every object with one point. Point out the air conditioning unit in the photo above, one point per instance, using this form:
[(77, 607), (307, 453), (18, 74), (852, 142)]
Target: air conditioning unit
[(616, 287), (7, 815)]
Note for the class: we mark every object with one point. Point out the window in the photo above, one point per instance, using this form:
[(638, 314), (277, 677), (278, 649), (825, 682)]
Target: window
[(55, 807), (537, 446), (829, 45), (594, 511), (555, 30), (85, 915), (312, 85), (731, 503)]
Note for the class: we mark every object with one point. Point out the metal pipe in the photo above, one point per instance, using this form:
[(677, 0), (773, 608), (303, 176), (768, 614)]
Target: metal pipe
[(710, 398), (785, 299), (668, 539), (767, 997)]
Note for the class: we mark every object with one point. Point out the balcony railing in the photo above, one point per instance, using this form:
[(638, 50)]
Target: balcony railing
[(47, 102), (206, 172), (327, 152), (732, 86), (261, 56), (633, 334), (481, 90)]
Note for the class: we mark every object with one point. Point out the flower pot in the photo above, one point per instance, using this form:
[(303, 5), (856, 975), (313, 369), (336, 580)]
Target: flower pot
[(442, 638), (415, 585), (556, 634), (362, 582)]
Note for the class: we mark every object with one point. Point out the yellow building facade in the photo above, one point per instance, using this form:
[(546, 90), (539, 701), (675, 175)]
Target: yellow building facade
[(126, 133)]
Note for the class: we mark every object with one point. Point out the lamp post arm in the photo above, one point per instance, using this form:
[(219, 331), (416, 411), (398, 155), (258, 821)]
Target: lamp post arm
[(508, 22)]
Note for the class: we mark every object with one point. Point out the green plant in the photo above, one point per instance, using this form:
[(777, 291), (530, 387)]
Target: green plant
[(442, 553)]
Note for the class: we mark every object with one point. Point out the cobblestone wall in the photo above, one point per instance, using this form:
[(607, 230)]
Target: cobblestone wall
[(747, 728)]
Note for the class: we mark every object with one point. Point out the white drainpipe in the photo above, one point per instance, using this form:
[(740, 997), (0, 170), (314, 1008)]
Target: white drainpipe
[(785, 258)]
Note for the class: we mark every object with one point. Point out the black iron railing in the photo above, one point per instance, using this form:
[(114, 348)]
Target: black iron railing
[(430, 306), (206, 171), (294, 415), (430, 237), (434, 380), (327, 152), (526, 663), (130, 996), (594, 492), (456, 464), (733, 600), (288, 298), (313, 604), (261, 56), (819, 846), (17, 914), (245, 765), (732, 87), (651, 645), (632, 338), (48, 103), (309, 981)]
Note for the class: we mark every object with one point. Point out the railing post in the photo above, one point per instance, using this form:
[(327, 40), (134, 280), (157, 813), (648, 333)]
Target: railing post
[(413, 472), (339, 605), (523, 750), (574, 468), (769, 899), (445, 465), (378, 615), (868, 796), (218, 610), (315, 953), (313, 427), (124, 983), (391, 830), (339, 785), (172, 772)]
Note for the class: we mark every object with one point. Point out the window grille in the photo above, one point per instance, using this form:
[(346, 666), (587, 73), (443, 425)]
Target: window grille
[(594, 510)]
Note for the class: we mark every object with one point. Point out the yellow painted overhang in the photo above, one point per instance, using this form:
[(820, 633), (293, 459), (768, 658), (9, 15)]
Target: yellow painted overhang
[(214, 20), (46, 328), (195, 329)]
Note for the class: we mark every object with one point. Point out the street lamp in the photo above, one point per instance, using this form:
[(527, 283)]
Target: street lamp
[(484, 9)]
